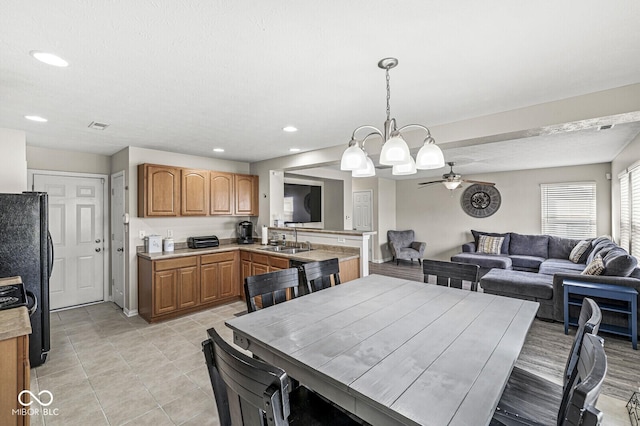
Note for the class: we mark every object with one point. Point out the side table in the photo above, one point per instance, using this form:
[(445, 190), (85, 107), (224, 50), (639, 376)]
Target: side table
[(605, 292)]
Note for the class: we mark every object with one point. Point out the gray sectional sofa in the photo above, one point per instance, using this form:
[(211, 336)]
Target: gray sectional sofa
[(533, 267)]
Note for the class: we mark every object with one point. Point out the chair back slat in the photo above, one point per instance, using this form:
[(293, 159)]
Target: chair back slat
[(450, 274), (320, 275), (584, 392), (247, 391), (272, 287), (588, 322)]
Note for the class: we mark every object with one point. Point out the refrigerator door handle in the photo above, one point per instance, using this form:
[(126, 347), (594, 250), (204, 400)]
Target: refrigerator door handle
[(51, 255)]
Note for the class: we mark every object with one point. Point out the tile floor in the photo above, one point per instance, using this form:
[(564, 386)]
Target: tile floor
[(107, 369)]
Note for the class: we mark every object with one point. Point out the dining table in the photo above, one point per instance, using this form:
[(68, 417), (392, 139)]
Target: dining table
[(394, 351)]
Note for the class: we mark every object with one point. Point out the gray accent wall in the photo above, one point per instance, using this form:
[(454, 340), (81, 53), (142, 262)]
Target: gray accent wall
[(435, 213)]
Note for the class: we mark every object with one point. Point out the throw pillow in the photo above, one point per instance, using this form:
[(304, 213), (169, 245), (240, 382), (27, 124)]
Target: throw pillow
[(579, 250), (596, 267), (505, 243), (489, 245)]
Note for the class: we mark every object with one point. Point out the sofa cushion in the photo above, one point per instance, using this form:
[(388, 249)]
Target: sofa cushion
[(580, 252), (483, 260), (560, 248), (602, 248), (524, 261), (529, 245), (617, 262), (505, 243), (596, 267), (518, 283), (564, 266), (490, 245)]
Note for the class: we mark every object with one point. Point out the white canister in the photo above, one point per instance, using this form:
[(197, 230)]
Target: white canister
[(153, 244), (168, 244)]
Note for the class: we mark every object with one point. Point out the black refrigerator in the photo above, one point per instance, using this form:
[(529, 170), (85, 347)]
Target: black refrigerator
[(26, 250)]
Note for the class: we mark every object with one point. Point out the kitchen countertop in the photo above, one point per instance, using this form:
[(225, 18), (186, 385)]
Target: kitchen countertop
[(322, 231), (305, 256), (13, 322)]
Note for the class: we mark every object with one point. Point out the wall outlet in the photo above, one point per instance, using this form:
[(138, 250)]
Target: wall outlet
[(169, 233), (341, 240), (141, 234)]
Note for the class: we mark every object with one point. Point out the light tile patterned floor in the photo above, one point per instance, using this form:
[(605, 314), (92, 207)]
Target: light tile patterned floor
[(107, 369)]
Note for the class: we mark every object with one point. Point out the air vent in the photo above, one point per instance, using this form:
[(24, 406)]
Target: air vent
[(605, 127), (98, 126)]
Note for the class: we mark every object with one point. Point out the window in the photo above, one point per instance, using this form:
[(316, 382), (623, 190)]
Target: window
[(569, 209), (630, 210), (625, 211)]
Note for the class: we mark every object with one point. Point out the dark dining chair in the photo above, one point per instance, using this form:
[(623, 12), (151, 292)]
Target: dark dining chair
[(251, 392), (272, 288), (529, 396), (451, 274), (319, 275)]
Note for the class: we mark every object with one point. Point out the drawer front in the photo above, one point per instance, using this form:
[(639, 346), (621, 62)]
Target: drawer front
[(245, 255), (217, 257), (279, 262), (182, 262), (262, 259)]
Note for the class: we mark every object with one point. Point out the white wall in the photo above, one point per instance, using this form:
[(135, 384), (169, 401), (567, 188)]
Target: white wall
[(67, 161), (13, 161), (438, 219), (629, 155)]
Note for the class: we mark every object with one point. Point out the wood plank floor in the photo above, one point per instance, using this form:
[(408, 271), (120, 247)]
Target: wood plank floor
[(546, 348)]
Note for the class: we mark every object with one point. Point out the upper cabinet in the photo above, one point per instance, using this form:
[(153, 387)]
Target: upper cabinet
[(158, 190), (222, 193), (195, 192), (172, 191), (246, 187)]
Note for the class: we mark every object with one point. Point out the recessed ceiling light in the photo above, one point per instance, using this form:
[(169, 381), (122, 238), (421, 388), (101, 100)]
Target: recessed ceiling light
[(218, 149), (49, 58), (36, 118), (294, 149), (290, 129)]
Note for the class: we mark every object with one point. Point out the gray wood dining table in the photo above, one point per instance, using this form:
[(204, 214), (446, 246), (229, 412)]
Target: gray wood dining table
[(394, 351)]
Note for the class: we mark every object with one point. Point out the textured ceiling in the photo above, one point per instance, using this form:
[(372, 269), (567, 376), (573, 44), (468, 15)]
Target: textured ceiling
[(188, 76)]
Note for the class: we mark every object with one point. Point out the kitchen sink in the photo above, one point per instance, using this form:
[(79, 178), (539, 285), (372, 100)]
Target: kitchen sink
[(285, 250)]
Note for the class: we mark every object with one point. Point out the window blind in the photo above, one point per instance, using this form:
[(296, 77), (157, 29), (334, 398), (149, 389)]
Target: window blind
[(635, 212), (625, 210), (569, 209)]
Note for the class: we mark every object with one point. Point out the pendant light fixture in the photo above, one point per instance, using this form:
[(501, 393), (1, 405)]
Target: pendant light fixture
[(395, 151)]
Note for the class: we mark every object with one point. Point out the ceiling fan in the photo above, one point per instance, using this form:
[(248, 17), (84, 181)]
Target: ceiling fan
[(452, 180)]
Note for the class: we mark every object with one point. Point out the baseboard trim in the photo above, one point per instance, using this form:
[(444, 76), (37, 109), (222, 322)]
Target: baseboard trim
[(381, 260), (130, 313)]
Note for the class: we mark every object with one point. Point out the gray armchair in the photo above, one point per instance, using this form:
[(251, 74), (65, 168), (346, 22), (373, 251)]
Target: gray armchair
[(403, 246)]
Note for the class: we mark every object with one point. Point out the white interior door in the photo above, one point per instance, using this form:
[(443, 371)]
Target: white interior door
[(76, 223), (363, 210), (117, 238)]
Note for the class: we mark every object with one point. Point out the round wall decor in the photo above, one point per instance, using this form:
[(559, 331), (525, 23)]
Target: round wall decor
[(480, 200)]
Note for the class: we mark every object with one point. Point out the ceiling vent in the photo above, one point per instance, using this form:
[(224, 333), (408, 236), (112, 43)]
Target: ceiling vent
[(98, 126), (605, 127)]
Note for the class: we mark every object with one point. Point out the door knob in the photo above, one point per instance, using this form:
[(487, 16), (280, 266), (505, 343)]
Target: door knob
[(120, 249), (98, 250), (98, 240)]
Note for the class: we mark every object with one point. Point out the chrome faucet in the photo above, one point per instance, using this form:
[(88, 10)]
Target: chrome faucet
[(308, 243)]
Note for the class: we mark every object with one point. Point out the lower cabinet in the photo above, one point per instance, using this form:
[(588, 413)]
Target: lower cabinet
[(14, 374), (172, 287)]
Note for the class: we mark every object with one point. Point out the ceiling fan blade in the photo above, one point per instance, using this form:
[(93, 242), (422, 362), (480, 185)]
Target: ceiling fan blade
[(478, 182), (429, 183)]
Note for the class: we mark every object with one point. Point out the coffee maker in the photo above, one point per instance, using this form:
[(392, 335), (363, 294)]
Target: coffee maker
[(245, 232)]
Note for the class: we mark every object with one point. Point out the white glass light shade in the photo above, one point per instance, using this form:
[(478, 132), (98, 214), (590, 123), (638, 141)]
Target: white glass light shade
[(429, 157), (395, 151), (404, 169), (353, 158), (368, 171), (452, 184)]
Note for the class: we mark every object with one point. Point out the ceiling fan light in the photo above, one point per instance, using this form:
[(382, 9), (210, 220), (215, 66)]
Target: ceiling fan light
[(404, 169), (430, 156), (353, 158), (451, 184), (395, 152), (368, 171)]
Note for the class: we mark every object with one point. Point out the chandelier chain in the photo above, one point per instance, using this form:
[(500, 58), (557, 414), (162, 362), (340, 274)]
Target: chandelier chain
[(388, 94)]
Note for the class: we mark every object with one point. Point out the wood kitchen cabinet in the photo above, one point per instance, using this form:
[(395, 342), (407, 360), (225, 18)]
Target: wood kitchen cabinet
[(195, 192), (158, 190), (222, 195), (246, 195), (219, 276), (172, 287)]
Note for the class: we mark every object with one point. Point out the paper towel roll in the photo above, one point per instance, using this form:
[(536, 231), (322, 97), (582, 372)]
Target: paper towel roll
[(265, 235)]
